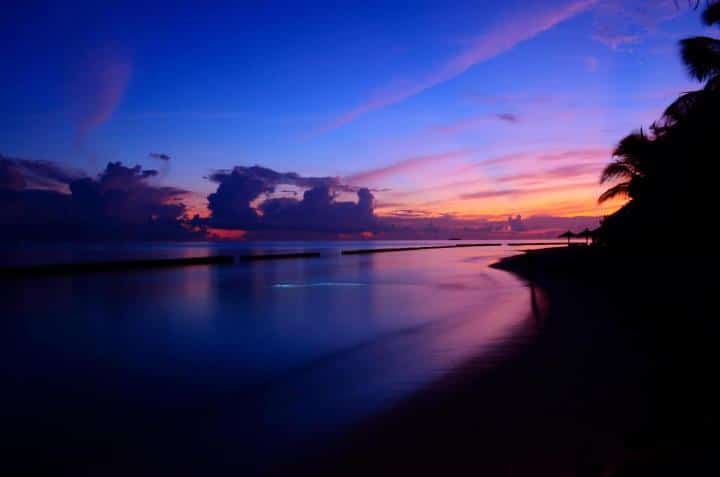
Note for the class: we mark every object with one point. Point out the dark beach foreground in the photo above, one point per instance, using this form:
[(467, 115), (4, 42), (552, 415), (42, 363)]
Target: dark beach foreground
[(619, 381)]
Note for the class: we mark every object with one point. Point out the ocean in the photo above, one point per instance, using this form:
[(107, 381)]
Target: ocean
[(240, 366)]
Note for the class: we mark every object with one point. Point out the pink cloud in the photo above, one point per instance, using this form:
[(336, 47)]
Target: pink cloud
[(571, 164), (589, 154), (522, 192), (406, 165), (498, 40), (562, 172)]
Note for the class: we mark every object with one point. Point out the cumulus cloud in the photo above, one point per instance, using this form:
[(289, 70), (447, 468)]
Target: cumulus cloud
[(121, 202), (18, 174), (41, 200), (125, 195), (234, 204), (319, 211), (272, 178)]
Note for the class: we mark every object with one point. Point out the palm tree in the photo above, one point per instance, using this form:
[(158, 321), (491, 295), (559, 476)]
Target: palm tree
[(701, 55), (669, 173), (632, 164)]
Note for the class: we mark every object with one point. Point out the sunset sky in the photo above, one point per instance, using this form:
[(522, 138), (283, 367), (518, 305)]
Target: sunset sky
[(470, 110)]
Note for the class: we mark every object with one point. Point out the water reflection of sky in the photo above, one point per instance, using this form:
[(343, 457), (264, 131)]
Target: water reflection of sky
[(277, 351)]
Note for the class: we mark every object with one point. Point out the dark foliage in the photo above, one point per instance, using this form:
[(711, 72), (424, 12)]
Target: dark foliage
[(670, 173)]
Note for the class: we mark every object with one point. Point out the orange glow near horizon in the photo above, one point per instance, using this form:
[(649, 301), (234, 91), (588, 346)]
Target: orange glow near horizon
[(551, 182), (227, 234)]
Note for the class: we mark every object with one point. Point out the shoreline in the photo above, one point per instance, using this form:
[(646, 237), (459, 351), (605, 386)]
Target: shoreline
[(588, 396), (101, 266)]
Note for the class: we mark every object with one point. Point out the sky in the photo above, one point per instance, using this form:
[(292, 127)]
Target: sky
[(457, 114)]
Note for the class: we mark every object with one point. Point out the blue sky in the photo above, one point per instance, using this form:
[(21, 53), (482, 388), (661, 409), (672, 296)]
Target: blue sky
[(412, 97)]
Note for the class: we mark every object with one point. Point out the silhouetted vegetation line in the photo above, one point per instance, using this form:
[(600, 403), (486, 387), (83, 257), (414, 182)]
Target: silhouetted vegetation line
[(113, 266), (670, 171)]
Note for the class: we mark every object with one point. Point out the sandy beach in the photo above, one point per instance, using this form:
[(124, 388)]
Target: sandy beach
[(615, 383)]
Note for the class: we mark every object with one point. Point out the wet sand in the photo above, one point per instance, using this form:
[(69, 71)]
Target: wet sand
[(615, 383)]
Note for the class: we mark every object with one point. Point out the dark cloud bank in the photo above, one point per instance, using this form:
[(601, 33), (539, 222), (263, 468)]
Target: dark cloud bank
[(231, 207), (43, 201)]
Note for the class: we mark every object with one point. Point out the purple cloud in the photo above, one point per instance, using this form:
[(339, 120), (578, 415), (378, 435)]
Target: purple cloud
[(121, 203), (233, 205), (33, 174)]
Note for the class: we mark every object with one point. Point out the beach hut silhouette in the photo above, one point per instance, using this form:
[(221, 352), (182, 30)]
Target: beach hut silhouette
[(568, 235)]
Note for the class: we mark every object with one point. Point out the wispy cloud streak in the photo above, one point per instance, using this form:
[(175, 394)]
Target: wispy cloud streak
[(523, 192), (406, 165), (498, 40)]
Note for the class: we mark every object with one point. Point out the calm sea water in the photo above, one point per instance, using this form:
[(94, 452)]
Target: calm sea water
[(237, 366)]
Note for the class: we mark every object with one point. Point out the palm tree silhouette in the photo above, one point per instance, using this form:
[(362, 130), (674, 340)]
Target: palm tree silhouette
[(701, 55), (632, 164), (670, 171)]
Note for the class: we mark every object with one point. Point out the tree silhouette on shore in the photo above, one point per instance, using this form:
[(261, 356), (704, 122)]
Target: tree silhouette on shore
[(670, 172), (633, 160)]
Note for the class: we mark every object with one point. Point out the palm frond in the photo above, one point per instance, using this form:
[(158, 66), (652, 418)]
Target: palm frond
[(711, 15), (618, 190), (701, 56), (713, 85), (634, 149), (615, 170), (682, 107)]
